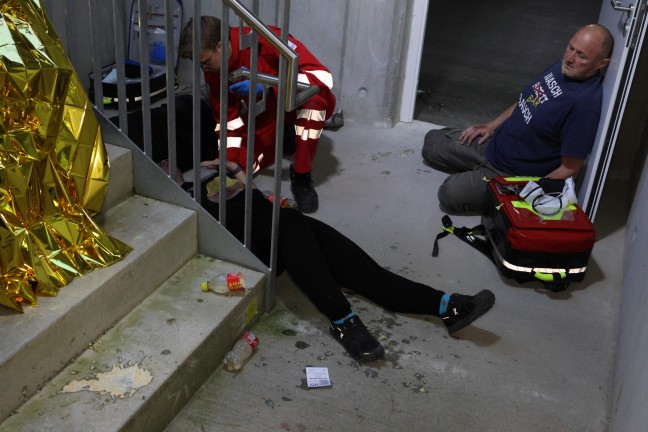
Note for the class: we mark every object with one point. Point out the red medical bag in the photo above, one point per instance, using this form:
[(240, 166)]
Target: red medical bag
[(530, 246)]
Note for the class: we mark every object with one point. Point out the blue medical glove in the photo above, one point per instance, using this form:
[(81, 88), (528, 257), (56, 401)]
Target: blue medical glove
[(242, 88)]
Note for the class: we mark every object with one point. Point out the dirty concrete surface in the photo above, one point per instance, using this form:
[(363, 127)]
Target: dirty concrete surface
[(536, 362)]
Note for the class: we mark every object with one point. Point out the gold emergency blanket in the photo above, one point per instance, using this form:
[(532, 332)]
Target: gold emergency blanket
[(53, 164)]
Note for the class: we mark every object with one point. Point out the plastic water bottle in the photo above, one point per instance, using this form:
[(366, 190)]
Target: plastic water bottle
[(283, 201), (158, 53), (224, 283), (243, 348)]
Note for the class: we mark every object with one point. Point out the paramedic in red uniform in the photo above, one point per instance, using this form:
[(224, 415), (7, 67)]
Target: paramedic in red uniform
[(308, 118)]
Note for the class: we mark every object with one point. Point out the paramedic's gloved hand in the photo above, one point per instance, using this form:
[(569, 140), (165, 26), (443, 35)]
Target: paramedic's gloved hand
[(242, 88)]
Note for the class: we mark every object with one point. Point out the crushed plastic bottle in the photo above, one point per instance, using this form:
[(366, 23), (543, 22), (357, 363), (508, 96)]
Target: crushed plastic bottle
[(224, 283), (243, 348), (283, 201)]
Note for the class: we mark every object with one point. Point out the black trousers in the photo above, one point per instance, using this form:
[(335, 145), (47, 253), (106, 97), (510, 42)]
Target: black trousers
[(321, 261)]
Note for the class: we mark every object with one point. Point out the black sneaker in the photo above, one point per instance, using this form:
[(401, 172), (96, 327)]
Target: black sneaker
[(357, 340), (463, 309), (303, 191)]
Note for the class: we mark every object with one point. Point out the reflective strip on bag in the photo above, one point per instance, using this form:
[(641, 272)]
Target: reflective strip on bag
[(532, 270)]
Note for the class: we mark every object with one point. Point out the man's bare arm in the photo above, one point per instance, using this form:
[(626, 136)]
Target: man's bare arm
[(569, 167), (485, 130)]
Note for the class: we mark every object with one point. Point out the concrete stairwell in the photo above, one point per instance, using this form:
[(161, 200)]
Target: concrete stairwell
[(125, 347)]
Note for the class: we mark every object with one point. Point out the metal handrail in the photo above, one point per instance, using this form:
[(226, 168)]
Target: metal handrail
[(292, 99), (307, 90), (290, 95), (287, 89)]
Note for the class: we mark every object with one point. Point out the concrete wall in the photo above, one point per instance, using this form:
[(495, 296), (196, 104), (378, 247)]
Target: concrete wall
[(71, 20), (360, 41), (630, 386), (630, 390), (630, 396)]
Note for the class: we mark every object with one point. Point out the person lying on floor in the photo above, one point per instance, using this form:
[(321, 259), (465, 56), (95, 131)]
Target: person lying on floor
[(321, 261)]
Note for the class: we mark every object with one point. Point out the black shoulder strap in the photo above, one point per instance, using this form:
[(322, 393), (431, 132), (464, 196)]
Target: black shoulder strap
[(468, 235)]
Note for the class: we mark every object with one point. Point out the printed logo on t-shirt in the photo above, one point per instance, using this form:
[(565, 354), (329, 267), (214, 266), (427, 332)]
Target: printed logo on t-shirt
[(552, 85), (539, 96)]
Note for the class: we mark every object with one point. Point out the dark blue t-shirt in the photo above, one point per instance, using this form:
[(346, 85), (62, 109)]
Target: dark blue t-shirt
[(555, 116)]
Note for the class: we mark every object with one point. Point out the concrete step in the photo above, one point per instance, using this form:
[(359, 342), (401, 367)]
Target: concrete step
[(139, 374), (38, 344), (120, 185)]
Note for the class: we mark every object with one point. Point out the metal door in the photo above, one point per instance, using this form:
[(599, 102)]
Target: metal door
[(626, 20)]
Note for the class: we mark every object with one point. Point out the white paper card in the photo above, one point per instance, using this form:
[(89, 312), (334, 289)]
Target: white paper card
[(317, 377)]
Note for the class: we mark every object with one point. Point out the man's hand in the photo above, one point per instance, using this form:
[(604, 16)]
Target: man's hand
[(215, 164), (469, 134), (242, 88), (232, 167), (212, 164), (485, 131)]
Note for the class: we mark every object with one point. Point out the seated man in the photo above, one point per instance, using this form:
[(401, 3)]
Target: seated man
[(548, 132)]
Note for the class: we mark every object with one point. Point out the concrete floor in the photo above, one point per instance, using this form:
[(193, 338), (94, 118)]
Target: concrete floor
[(536, 362)]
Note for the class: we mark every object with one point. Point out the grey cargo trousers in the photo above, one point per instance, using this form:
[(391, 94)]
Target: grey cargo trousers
[(465, 188)]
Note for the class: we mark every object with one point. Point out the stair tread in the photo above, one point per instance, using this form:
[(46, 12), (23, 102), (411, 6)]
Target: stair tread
[(139, 222), (149, 344), (120, 185), (48, 336)]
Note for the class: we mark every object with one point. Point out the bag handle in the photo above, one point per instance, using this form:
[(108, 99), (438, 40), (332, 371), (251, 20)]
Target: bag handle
[(468, 235)]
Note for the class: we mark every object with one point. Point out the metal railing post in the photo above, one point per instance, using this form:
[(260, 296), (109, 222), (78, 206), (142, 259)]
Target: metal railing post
[(145, 84), (96, 67), (118, 23), (253, 111), (224, 91), (170, 85), (288, 99), (281, 99), (196, 124)]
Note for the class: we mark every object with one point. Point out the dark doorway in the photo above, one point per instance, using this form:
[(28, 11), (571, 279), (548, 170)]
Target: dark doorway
[(477, 54)]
